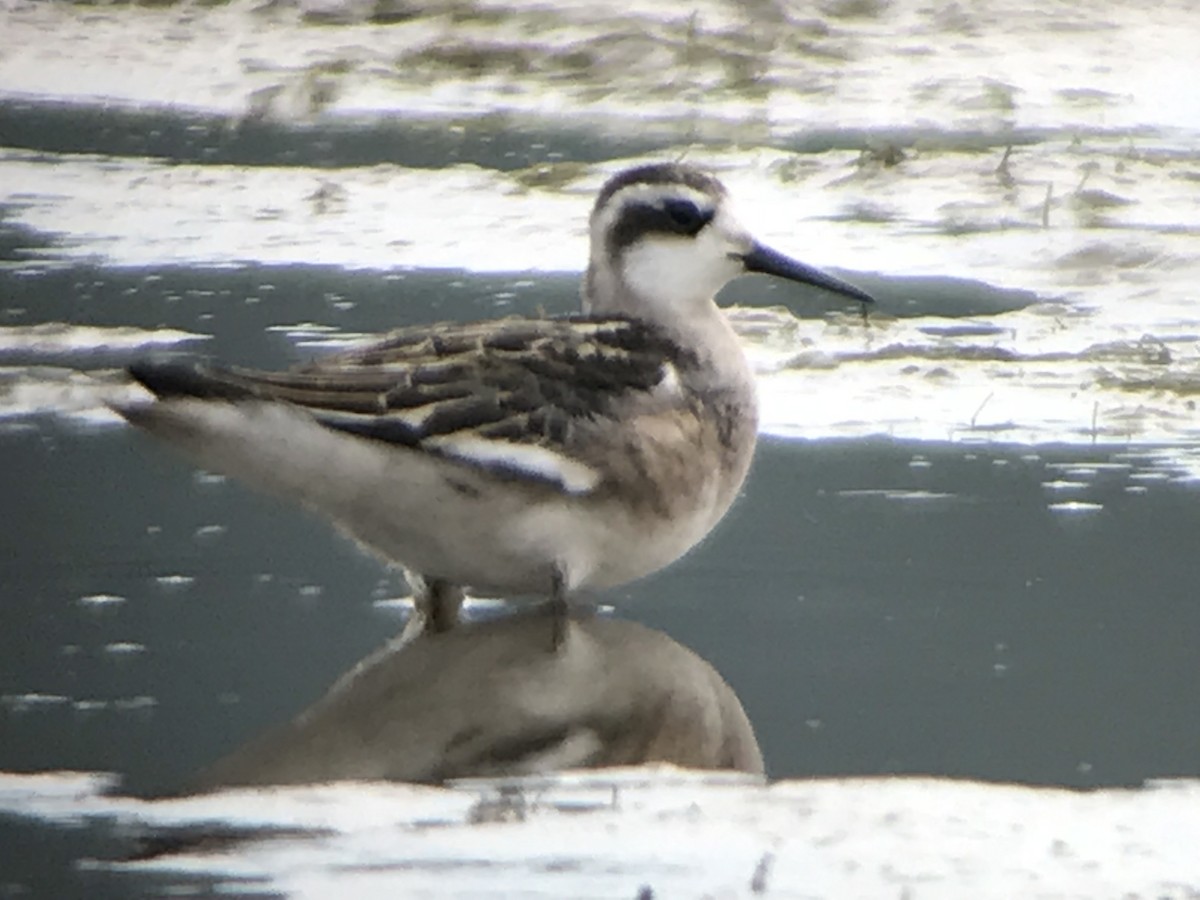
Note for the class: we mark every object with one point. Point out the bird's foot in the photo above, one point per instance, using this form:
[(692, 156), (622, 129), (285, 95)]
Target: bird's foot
[(559, 608)]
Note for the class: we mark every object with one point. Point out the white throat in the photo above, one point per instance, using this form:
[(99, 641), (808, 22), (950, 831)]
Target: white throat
[(666, 277)]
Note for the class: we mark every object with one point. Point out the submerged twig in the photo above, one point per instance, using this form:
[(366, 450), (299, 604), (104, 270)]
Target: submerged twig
[(979, 409), (758, 881), (1002, 171)]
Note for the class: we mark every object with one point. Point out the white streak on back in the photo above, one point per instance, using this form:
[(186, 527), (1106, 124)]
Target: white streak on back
[(669, 387), (571, 475)]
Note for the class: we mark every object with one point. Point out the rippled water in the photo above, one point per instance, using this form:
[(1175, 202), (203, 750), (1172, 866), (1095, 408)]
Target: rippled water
[(968, 548), (1090, 223)]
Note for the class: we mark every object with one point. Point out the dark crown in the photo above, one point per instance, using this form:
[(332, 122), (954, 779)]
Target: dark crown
[(682, 216)]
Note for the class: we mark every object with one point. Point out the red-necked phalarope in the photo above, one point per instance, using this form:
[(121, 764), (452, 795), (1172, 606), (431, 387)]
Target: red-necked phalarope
[(521, 455)]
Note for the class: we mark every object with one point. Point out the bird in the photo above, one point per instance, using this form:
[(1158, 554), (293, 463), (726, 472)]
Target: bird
[(540, 456), (490, 699)]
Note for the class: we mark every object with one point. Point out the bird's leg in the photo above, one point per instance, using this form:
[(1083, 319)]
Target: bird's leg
[(442, 603), (436, 603), (559, 608)]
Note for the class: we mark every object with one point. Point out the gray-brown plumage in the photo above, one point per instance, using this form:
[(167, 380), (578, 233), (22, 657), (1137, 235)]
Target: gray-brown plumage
[(525, 455), (492, 699)]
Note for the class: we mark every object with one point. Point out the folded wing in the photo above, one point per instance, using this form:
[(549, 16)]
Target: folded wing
[(508, 396)]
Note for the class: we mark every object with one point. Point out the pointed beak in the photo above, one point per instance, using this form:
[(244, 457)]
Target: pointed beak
[(772, 262)]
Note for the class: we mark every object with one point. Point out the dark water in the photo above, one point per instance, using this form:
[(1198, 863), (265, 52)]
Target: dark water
[(977, 634), (499, 141)]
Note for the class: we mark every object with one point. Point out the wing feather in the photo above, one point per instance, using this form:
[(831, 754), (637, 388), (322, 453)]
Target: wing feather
[(504, 396)]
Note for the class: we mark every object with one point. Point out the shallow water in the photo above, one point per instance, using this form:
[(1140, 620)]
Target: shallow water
[(967, 547), (880, 607)]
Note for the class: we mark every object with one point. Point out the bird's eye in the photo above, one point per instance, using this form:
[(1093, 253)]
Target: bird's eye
[(685, 216)]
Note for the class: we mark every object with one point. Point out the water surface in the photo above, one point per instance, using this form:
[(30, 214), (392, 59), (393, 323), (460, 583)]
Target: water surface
[(967, 545)]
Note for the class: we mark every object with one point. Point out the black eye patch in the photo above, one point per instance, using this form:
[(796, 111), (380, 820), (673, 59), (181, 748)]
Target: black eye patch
[(673, 215), (686, 217)]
